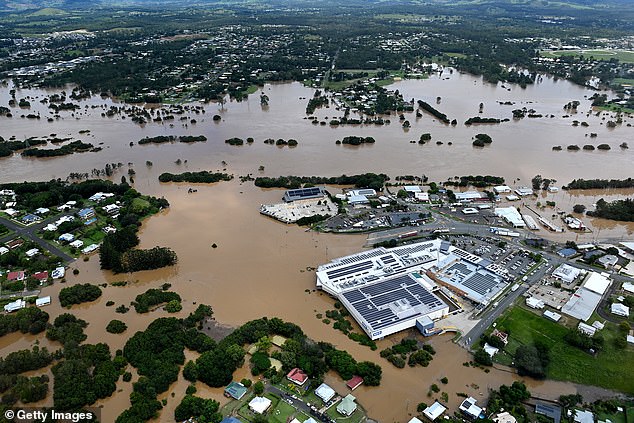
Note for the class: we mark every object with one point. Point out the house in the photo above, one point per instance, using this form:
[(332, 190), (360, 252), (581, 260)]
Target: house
[(16, 276), (15, 306), (41, 276), (87, 213), (491, 350), (501, 189), (44, 301), (325, 392), (505, 417), (586, 329), (608, 260), (32, 252), (66, 237), (111, 209), (12, 212), (470, 409), (14, 243), (3, 250), (259, 405), (358, 199), (109, 230), (58, 273), (620, 310), (354, 383), (523, 191), (415, 420), (583, 416), (548, 410), (297, 376), (504, 337), (434, 411), (30, 218), (51, 227), (77, 243), (347, 406), (42, 210), (100, 196), (235, 390), (90, 249)]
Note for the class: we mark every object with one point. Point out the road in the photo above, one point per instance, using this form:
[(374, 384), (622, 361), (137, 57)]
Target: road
[(29, 232), (489, 316), (298, 404)]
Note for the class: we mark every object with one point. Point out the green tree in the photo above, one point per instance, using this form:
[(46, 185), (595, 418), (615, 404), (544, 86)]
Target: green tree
[(258, 388)]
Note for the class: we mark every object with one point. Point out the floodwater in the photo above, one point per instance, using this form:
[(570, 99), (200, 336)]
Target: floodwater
[(261, 267)]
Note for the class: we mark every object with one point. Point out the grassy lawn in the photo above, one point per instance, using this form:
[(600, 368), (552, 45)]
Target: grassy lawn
[(456, 55), (355, 417), (622, 55), (616, 108), (247, 414), (284, 411), (614, 418), (624, 81), (139, 205), (567, 362)]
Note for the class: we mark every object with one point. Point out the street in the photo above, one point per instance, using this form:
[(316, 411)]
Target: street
[(29, 232)]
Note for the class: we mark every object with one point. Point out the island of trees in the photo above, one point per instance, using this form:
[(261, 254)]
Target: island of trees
[(205, 177), (600, 183), (366, 180), (161, 139), (433, 111)]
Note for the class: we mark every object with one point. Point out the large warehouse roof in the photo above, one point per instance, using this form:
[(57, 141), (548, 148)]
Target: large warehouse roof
[(389, 302)]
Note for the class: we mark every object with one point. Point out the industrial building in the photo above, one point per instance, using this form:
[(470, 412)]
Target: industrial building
[(303, 194), (389, 290), (585, 300), (510, 215), (530, 222)]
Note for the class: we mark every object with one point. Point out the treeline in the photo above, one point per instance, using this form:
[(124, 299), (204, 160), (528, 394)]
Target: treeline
[(161, 139), (8, 147), (478, 181), (204, 176), (478, 119), (158, 353), (600, 183), (354, 140), (15, 387), (621, 210), (153, 297), (27, 320), (117, 253), (366, 180), (78, 294), (318, 100), (433, 111), (73, 147)]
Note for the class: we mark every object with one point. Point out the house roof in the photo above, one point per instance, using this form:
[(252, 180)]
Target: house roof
[(354, 382), (434, 411), (325, 392), (236, 390), (259, 404), (347, 405), (40, 275), (297, 376)]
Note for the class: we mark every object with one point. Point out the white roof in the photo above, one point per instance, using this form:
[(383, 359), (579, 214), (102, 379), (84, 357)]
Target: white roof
[(586, 329), (77, 243), (15, 305), (66, 237), (582, 304), (4, 250), (469, 406), (421, 196), (259, 404), (566, 273), (502, 188), (630, 339), (58, 273), (505, 417), (620, 309), (629, 287), (596, 282), (415, 420), (468, 195), (534, 302), (490, 349), (584, 416), (90, 248), (43, 301), (325, 392), (552, 315), (511, 215), (412, 188), (434, 411), (32, 252), (628, 244), (358, 199)]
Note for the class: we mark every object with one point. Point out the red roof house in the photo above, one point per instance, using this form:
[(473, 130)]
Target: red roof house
[(297, 376), (41, 276), (16, 276), (354, 383)]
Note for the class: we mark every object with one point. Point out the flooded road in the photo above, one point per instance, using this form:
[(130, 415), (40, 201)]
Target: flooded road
[(259, 269), (262, 267)]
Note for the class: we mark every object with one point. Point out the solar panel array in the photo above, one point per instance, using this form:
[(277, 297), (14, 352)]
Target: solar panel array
[(373, 302), (298, 194), (414, 248), (482, 283), (350, 270)]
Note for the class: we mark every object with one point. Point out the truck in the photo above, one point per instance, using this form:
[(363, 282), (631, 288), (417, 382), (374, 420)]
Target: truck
[(515, 287), (408, 234)]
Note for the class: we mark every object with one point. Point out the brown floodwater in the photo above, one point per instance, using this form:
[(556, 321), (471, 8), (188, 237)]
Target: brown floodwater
[(258, 269), (261, 267)]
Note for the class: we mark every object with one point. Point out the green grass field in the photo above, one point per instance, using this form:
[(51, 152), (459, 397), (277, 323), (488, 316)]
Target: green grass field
[(607, 369), (622, 55)]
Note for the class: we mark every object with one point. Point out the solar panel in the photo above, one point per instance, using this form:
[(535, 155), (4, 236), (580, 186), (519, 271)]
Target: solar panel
[(353, 268), (354, 296)]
